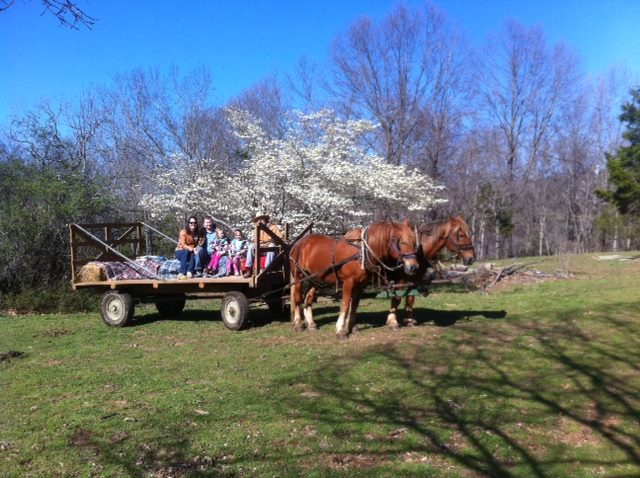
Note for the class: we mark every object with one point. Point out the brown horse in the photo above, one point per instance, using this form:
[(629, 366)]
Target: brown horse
[(319, 260), (454, 234)]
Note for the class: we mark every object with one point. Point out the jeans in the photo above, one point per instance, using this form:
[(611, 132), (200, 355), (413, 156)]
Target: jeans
[(251, 252), (200, 258), (187, 261)]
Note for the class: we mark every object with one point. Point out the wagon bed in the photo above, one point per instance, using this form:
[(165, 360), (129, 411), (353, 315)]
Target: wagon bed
[(120, 242)]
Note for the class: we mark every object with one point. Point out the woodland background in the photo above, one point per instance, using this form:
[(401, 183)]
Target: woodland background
[(514, 136)]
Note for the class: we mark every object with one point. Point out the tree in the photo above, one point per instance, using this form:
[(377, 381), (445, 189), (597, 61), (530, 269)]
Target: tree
[(624, 165), (522, 83), (68, 13), (320, 171), (34, 241), (405, 73)]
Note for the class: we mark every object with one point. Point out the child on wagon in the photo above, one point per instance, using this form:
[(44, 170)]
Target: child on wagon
[(221, 247), (237, 252)]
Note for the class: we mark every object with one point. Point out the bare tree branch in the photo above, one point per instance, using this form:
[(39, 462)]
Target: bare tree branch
[(67, 12)]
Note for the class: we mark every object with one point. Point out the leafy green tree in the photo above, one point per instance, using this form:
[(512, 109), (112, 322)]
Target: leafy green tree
[(624, 165), (37, 204)]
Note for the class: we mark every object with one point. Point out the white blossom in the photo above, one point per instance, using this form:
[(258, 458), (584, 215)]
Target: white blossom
[(320, 171)]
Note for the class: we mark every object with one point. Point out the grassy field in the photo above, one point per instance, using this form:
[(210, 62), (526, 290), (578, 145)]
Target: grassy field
[(531, 379)]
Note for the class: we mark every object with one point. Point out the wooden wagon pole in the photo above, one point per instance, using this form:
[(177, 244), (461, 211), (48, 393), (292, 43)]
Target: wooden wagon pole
[(159, 233), (134, 264)]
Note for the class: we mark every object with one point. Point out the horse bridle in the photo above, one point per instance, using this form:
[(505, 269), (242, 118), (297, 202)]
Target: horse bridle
[(460, 247), (395, 247)]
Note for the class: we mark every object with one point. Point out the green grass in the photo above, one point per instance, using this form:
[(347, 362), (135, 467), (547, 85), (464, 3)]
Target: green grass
[(538, 380)]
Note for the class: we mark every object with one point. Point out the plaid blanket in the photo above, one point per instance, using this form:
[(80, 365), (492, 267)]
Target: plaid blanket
[(121, 271), (151, 263), (148, 266), (169, 269)]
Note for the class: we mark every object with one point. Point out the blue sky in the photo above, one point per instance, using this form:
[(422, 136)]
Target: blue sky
[(240, 42)]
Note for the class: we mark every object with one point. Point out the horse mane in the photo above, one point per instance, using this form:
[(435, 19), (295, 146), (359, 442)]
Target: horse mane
[(463, 225), (380, 235), (434, 228), (354, 234)]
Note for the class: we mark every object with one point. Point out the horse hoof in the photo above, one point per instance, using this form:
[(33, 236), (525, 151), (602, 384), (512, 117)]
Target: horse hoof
[(410, 323), (394, 327), (342, 336), (298, 328), (312, 328), (355, 329)]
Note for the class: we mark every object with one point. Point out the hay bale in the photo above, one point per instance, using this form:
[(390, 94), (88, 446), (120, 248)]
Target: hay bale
[(92, 272)]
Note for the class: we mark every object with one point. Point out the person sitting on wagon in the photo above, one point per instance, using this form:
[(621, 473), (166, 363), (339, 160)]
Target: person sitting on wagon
[(237, 252), (264, 240), (210, 236), (190, 243), (219, 259)]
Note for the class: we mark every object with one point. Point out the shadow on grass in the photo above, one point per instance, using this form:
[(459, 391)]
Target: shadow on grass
[(327, 315), (527, 398), (446, 318), (551, 399), (186, 316), (258, 317)]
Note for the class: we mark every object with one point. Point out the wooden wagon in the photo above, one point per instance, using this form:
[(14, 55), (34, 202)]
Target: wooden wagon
[(121, 243)]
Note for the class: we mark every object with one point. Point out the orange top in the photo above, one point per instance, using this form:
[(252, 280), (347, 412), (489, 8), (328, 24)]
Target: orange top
[(188, 241), (265, 239)]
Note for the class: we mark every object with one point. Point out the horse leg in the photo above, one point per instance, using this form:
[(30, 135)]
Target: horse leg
[(308, 313), (296, 304), (392, 318), (355, 301), (342, 325), (409, 321)]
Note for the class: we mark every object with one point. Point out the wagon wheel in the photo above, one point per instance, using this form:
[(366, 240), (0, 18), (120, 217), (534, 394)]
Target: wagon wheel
[(234, 310), (172, 306), (116, 308)]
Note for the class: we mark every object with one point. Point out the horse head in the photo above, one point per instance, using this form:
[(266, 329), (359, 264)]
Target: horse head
[(404, 247), (458, 241)]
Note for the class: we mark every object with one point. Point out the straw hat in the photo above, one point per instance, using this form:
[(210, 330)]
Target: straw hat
[(260, 217)]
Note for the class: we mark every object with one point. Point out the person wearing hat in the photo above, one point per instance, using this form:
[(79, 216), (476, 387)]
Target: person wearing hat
[(265, 241)]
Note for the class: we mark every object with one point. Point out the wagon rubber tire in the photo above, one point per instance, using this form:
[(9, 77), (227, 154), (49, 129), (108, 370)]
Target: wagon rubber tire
[(234, 310), (173, 307), (116, 308)]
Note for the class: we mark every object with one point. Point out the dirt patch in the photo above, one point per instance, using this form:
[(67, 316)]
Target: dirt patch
[(11, 355), (170, 464), (574, 434), (82, 438), (344, 462), (522, 279), (53, 333)]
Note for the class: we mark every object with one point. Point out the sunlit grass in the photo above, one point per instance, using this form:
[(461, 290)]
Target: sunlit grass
[(527, 380)]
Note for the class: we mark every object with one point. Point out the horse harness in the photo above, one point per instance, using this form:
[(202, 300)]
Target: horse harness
[(459, 248), (369, 261), (314, 278)]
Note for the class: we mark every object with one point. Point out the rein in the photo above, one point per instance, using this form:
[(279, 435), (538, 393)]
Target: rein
[(314, 277), (367, 253)]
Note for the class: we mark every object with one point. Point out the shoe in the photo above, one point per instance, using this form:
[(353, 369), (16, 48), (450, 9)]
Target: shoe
[(197, 274), (181, 277), (206, 271), (237, 274), (247, 274), (189, 275)]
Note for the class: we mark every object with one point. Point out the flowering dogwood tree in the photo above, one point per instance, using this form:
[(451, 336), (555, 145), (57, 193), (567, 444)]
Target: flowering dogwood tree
[(321, 171)]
